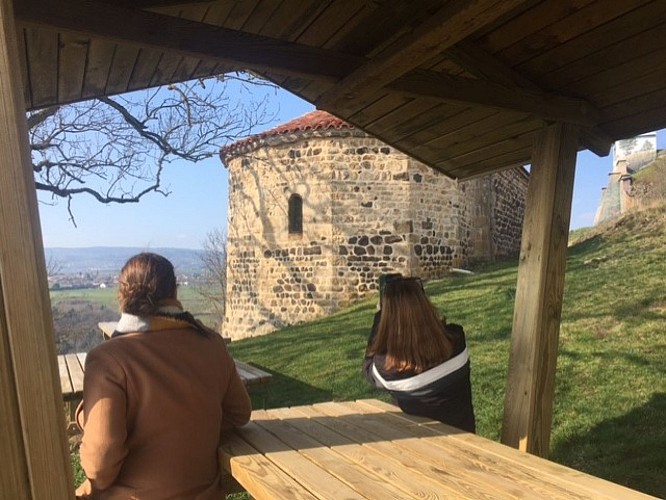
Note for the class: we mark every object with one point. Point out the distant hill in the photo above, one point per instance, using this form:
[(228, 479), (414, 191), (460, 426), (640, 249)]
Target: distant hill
[(111, 259)]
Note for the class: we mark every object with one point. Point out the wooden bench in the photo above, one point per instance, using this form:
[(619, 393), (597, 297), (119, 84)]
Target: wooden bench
[(71, 368), (370, 449)]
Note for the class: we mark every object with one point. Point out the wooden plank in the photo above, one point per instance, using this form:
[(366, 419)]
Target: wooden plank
[(313, 478), (256, 473), (75, 372), (120, 73), (253, 374), (65, 381), (71, 66), (455, 21), (186, 69), (42, 50), (35, 462), (565, 29), (550, 471), (594, 40), (362, 481), (100, 56), (144, 69), (23, 58), (399, 469), (539, 291)]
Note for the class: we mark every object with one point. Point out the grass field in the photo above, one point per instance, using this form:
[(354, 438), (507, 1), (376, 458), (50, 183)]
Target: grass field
[(610, 396)]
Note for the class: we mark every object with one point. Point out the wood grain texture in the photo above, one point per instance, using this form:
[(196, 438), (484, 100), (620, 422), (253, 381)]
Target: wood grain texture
[(28, 347), (540, 287)]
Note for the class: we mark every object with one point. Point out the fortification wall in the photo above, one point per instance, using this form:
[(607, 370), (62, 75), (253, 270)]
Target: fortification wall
[(367, 209)]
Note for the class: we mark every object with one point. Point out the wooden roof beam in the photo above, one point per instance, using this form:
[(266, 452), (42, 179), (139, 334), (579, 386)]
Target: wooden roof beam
[(190, 38), (457, 89), (454, 22), (488, 67)]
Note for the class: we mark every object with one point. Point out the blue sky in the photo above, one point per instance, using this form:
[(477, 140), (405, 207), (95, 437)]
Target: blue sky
[(198, 202)]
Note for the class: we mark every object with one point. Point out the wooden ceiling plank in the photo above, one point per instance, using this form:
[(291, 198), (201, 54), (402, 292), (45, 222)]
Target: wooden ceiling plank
[(165, 69), (42, 50), (149, 4), (386, 123), (186, 69), (208, 68), (455, 21), (25, 77), (637, 104), (100, 56), (479, 138), (465, 90), (510, 152), (218, 13), (637, 77), (507, 162), (262, 15), (146, 63), (629, 49), (586, 19), (195, 12), (239, 14), (379, 107), (147, 29), (425, 121), (321, 30), (642, 121), (124, 59), (528, 23), (71, 66), (303, 19), (455, 118)]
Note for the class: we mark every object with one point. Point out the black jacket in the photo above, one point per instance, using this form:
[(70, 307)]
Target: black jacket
[(442, 392)]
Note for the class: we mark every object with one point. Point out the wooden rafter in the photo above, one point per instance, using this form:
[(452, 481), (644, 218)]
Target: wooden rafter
[(264, 54), (452, 23)]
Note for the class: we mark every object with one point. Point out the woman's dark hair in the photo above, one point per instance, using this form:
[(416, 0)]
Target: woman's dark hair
[(410, 333), (145, 280)]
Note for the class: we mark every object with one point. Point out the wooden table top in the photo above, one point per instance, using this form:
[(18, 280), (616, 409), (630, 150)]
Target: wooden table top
[(370, 449), (71, 368)]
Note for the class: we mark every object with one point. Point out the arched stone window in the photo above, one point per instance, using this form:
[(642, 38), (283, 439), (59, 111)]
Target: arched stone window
[(295, 214)]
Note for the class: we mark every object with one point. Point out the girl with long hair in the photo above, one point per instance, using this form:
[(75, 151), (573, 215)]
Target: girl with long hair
[(420, 359)]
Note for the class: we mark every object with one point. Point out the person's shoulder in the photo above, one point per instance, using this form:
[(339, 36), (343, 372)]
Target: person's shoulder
[(455, 329)]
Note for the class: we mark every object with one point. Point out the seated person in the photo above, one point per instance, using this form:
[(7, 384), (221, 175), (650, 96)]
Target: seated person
[(418, 358), (157, 396)]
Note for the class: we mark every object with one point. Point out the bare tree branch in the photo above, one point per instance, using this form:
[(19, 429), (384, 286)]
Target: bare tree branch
[(115, 149)]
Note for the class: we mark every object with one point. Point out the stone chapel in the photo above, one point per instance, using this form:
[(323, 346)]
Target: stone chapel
[(319, 209)]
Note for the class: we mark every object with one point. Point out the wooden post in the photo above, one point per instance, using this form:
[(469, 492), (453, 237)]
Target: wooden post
[(536, 320), (35, 456)]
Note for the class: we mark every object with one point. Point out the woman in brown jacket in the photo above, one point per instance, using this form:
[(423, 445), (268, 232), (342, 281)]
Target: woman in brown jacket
[(157, 396)]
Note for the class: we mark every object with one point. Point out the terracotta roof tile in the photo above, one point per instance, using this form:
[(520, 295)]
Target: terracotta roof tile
[(314, 120)]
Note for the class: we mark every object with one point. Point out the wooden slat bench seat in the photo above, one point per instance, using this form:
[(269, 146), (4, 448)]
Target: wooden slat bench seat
[(370, 449), (71, 368)]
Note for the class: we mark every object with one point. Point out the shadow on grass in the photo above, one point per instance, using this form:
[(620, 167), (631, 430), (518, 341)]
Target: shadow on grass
[(628, 450), (283, 390)]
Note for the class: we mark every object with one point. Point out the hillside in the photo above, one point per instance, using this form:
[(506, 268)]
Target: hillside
[(649, 184), (610, 396), (111, 259)]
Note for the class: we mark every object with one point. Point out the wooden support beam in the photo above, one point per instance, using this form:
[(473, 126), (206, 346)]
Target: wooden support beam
[(459, 90), (189, 38), (536, 320), (454, 22), (35, 455)]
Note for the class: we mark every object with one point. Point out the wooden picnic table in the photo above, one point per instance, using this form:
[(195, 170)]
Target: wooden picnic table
[(370, 449), (71, 368)]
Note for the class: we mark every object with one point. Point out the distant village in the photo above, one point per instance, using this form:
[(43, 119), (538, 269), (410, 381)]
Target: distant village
[(83, 280)]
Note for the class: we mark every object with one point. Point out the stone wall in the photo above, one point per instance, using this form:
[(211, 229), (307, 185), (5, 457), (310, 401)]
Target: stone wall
[(367, 209)]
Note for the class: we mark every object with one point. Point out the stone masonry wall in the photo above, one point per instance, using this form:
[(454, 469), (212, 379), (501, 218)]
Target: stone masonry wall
[(367, 209)]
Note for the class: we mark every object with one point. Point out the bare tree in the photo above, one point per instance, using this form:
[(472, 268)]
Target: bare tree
[(115, 148), (214, 261)]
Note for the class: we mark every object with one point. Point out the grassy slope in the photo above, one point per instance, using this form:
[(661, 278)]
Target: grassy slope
[(610, 398)]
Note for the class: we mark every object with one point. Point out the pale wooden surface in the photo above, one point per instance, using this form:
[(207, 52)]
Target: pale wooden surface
[(71, 368), (35, 456), (370, 449), (539, 291)]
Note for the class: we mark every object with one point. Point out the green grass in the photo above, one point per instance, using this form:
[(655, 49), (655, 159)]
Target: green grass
[(610, 396)]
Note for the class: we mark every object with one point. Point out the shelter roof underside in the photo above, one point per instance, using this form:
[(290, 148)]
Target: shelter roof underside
[(461, 85)]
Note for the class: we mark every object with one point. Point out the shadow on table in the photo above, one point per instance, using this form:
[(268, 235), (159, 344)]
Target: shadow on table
[(628, 450)]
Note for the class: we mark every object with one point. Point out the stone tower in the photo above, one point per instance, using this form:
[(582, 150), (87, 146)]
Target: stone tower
[(319, 209)]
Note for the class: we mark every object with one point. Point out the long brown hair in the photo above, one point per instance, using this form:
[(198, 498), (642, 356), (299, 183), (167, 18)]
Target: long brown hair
[(410, 333), (146, 280)]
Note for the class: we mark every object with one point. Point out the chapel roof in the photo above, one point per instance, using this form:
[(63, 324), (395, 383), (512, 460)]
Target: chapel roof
[(317, 120)]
